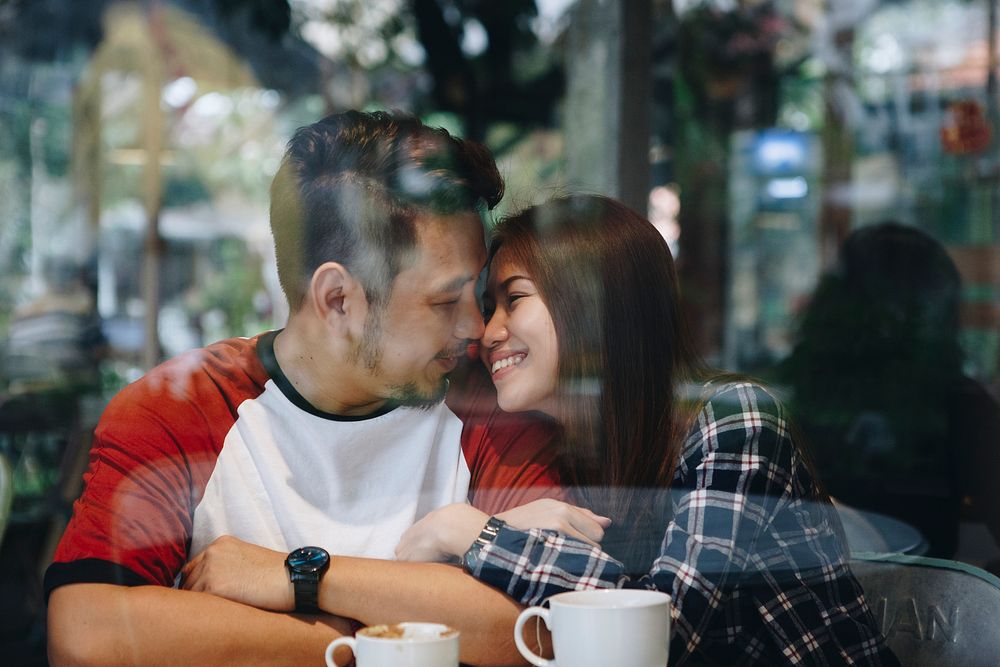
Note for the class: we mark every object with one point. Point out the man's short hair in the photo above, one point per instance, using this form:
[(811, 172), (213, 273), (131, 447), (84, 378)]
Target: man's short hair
[(351, 186)]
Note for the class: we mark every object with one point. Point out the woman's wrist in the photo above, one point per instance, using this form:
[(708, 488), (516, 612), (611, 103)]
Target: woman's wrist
[(463, 529), (486, 537)]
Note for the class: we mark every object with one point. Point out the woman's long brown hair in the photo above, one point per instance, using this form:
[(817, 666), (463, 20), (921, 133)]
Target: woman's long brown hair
[(625, 358)]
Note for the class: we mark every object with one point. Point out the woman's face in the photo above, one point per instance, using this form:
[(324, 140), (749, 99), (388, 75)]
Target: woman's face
[(519, 347)]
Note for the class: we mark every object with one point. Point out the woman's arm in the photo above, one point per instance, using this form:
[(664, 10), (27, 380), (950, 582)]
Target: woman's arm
[(449, 531), (734, 474)]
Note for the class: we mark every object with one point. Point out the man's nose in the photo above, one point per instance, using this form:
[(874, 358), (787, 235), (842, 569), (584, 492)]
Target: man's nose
[(470, 321)]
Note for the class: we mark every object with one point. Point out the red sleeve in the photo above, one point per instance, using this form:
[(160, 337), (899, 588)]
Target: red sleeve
[(154, 450), (512, 457)]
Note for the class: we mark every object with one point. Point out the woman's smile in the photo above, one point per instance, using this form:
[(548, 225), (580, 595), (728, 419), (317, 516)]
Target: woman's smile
[(504, 361), (519, 326)]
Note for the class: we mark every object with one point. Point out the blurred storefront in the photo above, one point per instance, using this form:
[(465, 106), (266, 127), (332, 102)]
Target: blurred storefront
[(138, 139)]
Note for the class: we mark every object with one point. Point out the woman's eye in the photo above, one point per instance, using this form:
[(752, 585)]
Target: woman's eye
[(512, 298)]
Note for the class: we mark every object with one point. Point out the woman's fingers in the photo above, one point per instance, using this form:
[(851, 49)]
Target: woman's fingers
[(588, 525), (549, 514), (603, 520)]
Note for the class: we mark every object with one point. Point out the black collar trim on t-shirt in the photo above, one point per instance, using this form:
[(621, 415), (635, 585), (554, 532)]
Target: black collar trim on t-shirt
[(265, 352)]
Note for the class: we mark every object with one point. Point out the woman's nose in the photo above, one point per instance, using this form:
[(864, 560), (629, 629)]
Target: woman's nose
[(496, 329)]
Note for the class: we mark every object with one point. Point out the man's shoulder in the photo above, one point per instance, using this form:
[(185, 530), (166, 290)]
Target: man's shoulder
[(231, 361), (219, 376)]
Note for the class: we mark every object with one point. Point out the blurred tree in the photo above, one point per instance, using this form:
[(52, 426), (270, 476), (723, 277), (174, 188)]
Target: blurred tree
[(725, 77), (230, 287), (507, 78), (488, 87)]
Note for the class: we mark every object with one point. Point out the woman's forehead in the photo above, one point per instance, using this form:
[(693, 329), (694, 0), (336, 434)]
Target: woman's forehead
[(502, 268)]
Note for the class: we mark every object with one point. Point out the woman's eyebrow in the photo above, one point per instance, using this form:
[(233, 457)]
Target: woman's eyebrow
[(505, 284)]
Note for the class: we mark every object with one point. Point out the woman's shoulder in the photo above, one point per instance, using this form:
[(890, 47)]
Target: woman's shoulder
[(737, 417), (729, 396)]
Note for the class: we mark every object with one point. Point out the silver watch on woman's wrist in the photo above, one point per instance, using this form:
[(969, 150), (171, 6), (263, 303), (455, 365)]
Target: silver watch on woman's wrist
[(486, 536)]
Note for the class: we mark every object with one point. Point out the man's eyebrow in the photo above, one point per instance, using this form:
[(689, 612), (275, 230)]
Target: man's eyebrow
[(455, 284)]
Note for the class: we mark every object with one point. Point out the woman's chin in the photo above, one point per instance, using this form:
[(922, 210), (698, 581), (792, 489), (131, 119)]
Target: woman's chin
[(510, 401), (510, 404)]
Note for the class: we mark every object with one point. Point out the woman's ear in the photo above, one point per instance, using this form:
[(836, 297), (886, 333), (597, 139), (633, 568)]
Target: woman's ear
[(335, 296)]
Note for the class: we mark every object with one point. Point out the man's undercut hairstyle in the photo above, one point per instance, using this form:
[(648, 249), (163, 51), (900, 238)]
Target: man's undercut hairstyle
[(351, 186)]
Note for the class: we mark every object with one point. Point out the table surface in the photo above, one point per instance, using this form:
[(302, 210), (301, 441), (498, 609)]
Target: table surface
[(869, 531)]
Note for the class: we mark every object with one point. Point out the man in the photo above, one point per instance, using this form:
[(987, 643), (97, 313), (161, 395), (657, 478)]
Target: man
[(330, 432)]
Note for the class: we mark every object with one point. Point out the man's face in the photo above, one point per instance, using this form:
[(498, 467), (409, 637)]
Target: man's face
[(416, 338)]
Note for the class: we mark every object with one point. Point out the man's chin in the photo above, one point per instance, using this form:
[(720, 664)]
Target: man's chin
[(422, 397)]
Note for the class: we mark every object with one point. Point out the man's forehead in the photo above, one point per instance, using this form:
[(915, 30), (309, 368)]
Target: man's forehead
[(459, 224), (450, 251)]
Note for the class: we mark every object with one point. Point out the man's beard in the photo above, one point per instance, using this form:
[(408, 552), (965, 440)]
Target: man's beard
[(409, 393)]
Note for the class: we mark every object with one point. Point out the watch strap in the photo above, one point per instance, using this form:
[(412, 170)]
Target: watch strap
[(306, 594), (486, 537)]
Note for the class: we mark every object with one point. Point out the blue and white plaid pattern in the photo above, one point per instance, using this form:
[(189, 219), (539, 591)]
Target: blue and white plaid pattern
[(753, 562)]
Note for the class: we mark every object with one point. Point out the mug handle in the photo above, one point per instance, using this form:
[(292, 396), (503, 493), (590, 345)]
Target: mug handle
[(528, 654), (339, 641)]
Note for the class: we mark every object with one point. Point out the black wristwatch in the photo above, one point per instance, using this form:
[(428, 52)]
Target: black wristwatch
[(486, 536), (306, 566)]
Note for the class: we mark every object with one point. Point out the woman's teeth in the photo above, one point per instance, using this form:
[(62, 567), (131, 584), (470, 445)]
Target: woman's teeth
[(504, 363)]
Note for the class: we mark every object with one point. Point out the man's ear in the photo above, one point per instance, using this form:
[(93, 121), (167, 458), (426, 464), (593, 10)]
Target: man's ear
[(335, 295)]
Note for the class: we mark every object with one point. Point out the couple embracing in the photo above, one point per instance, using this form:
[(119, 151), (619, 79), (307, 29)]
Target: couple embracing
[(251, 500)]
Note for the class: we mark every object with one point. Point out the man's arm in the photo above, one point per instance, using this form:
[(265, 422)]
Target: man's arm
[(370, 590), (105, 624), (376, 591)]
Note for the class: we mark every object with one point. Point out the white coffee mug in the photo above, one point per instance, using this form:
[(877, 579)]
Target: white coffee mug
[(625, 628), (401, 645)]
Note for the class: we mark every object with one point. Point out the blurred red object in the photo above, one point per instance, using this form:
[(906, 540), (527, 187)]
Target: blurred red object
[(965, 128)]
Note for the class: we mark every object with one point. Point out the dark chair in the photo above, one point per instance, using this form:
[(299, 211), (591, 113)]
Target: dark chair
[(45, 437), (933, 611), (6, 493)]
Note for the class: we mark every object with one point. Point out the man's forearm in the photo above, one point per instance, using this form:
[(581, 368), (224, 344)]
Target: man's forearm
[(378, 591), (101, 624)]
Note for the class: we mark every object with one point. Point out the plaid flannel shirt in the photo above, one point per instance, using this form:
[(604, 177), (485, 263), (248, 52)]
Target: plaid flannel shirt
[(752, 560)]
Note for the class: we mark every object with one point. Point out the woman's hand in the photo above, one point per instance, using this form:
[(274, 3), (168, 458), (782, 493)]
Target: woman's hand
[(236, 570), (444, 533), (449, 531), (556, 515)]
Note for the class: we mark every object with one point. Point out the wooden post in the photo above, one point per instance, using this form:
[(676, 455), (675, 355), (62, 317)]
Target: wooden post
[(152, 142), (88, 159), (608, 99), (838, 151), (993, 114)]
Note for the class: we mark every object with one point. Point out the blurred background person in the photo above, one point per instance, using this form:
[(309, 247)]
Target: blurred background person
[(877, 385)]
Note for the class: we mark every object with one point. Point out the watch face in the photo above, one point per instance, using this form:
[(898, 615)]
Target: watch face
[(308, 559)]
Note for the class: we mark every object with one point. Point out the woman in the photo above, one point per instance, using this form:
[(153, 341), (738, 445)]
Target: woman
[(584, 325)]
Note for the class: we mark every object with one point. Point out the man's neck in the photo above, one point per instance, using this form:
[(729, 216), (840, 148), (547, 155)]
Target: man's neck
[(330, 385)]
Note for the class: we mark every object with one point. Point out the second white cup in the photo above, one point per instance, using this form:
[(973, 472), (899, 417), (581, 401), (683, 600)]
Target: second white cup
[(626, 628), (401, 645)]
